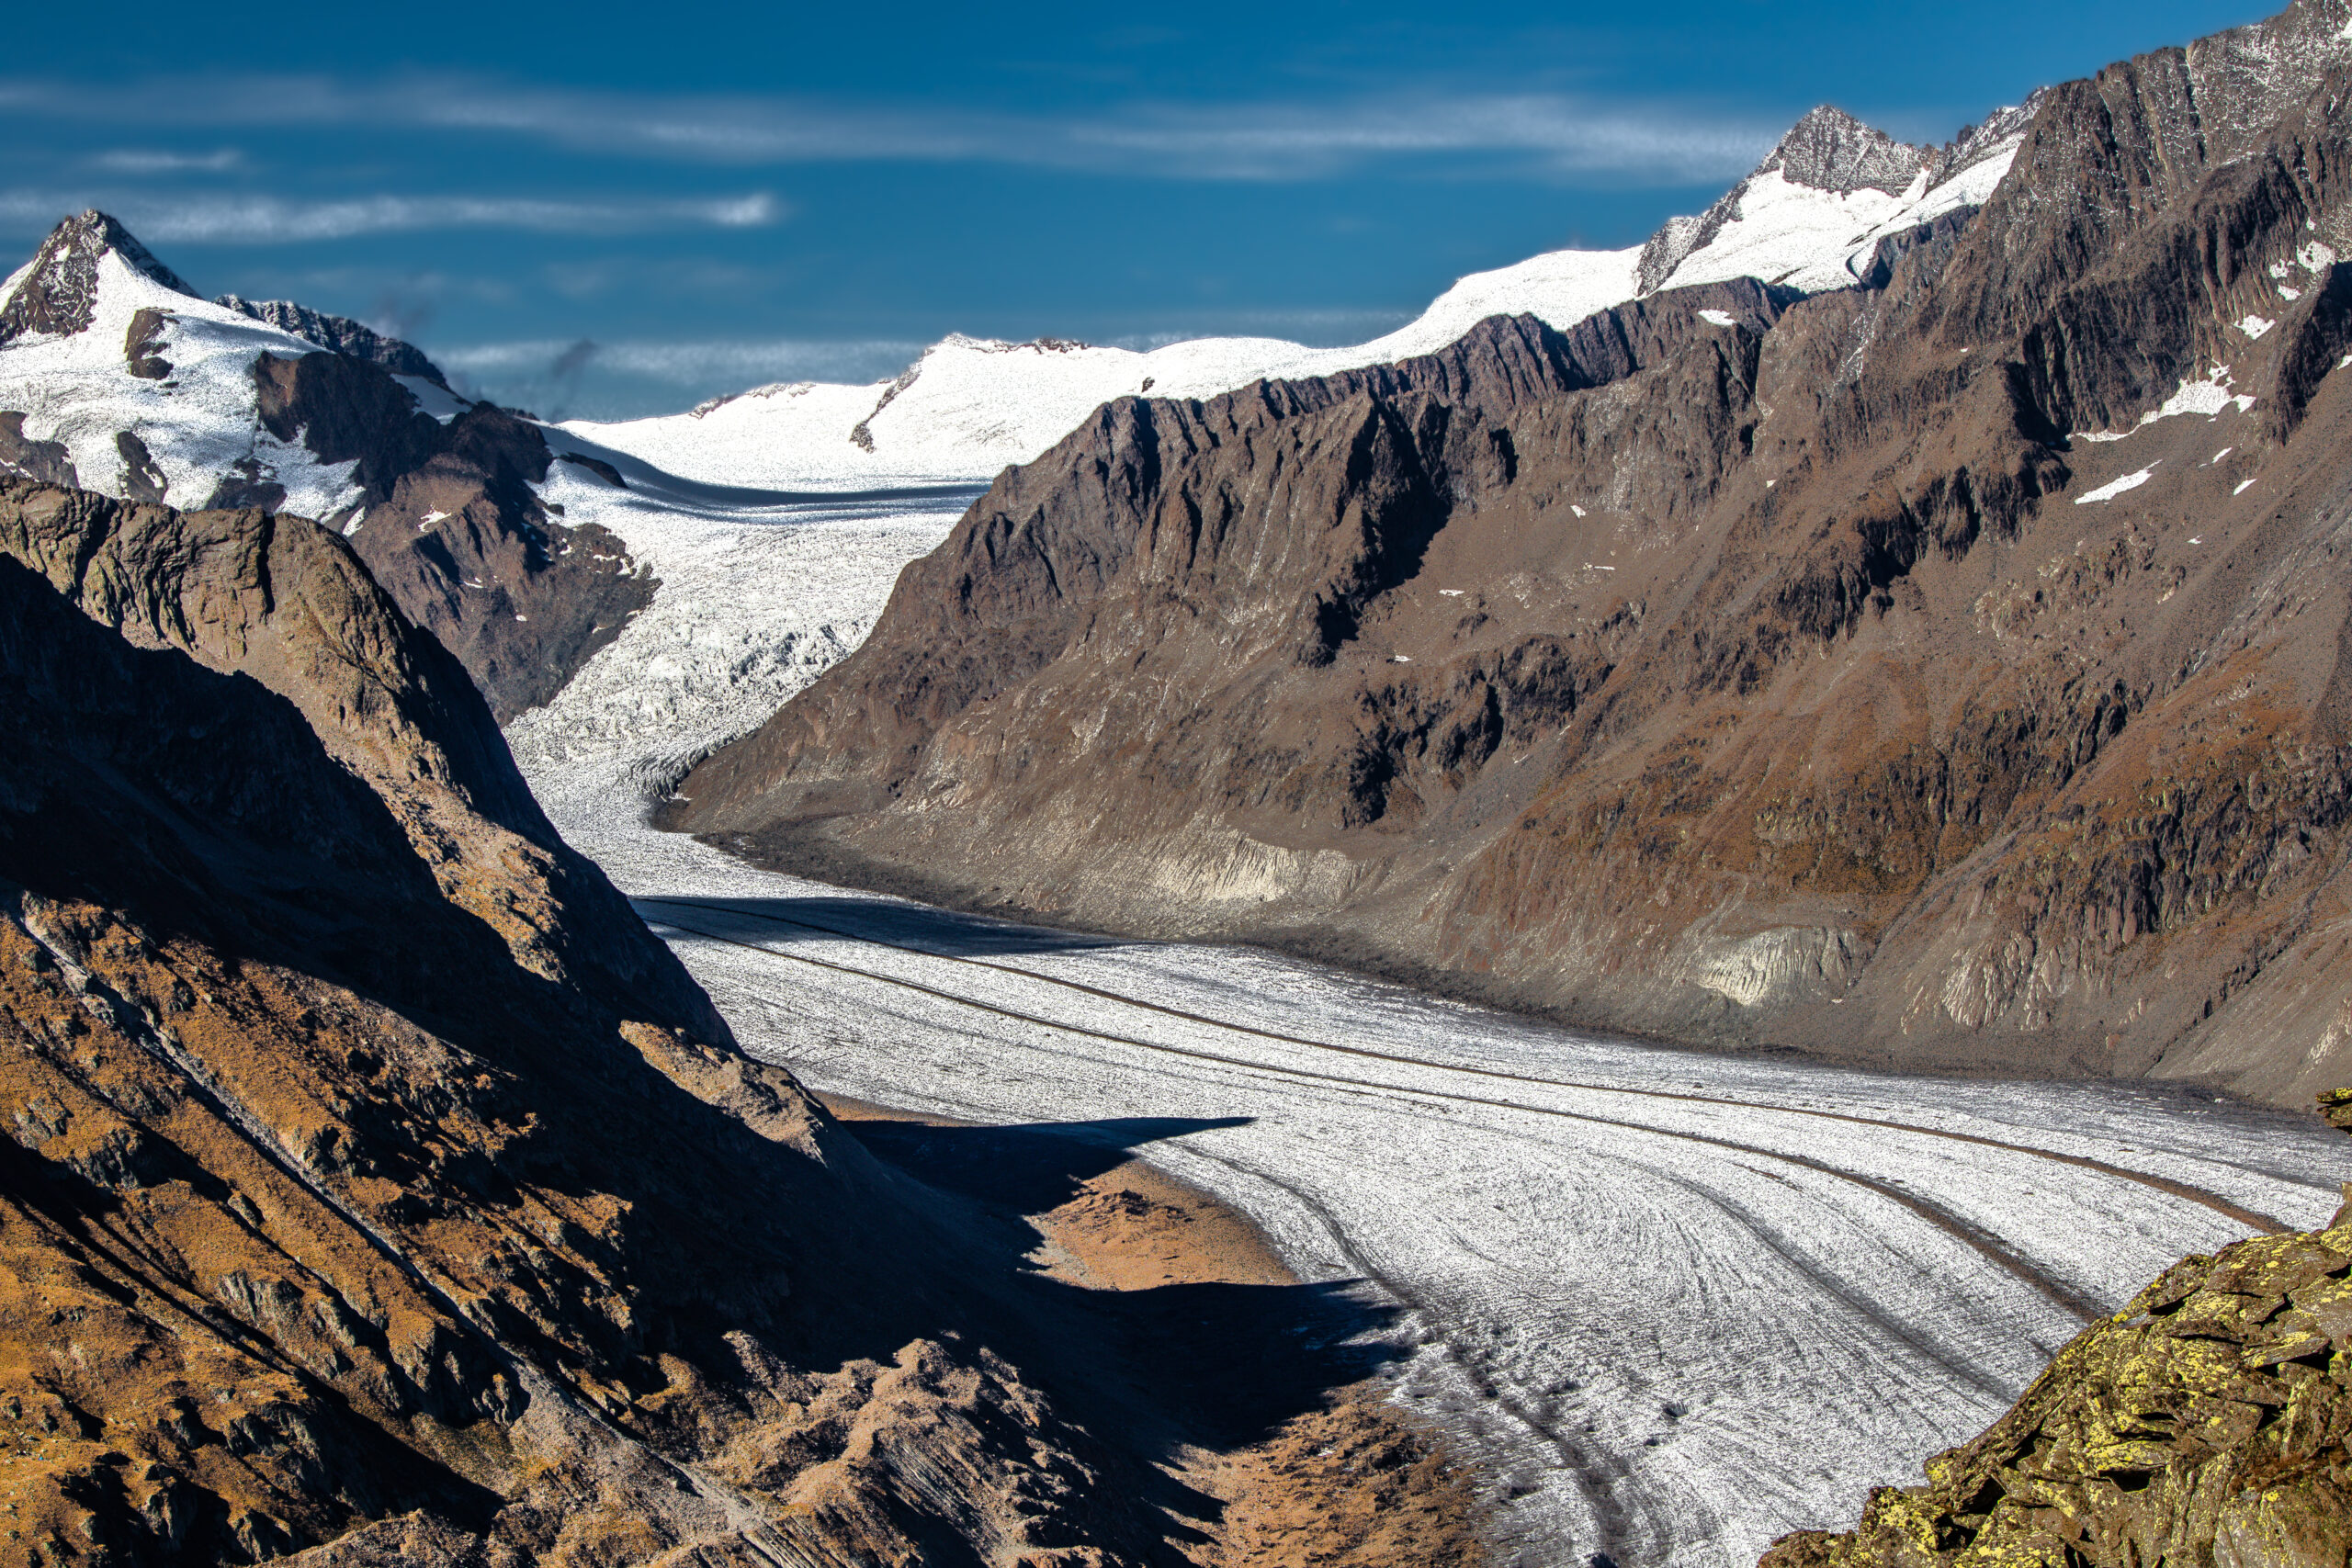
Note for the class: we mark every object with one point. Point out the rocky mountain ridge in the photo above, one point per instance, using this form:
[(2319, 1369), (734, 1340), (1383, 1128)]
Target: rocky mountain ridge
[(1940, 671), (1810, 215), (340, 333), (466, 528), (115, 375), (377, 1188)]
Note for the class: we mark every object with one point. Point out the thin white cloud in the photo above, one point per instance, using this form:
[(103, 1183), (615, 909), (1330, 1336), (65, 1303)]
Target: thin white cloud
[(264, 220), (1562, 134), (150, 161), (1659, 141), (726, 361)]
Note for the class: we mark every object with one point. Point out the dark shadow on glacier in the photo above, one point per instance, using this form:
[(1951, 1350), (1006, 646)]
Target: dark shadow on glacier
[(1032, 1167), (946, 932), (645, 479), (1215, 1363)]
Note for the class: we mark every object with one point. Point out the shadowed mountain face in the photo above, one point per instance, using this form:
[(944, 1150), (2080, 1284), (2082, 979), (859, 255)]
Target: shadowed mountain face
[(1946, 672), (449, 523), (373, 1176)]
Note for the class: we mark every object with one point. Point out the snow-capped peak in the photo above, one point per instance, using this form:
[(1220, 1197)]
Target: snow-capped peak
[(1830, 149), (122, 378), (55, 293), (1812, 214)]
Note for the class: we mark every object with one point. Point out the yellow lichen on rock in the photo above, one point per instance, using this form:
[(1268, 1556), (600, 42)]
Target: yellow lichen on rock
[(2205, 1423)]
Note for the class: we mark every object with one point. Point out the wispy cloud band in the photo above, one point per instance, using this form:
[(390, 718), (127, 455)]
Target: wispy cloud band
[(730, 361), (1239, 140), (232, 219)]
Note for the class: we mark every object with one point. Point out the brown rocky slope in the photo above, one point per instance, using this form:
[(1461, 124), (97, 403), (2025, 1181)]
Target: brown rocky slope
[(2207, 1422), (375, 1184), (1750, 676)]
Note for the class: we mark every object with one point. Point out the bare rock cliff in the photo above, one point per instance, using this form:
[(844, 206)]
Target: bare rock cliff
[(1947, 671)]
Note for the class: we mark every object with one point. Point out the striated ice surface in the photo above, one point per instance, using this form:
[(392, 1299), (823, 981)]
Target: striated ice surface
[(1673, 1304)]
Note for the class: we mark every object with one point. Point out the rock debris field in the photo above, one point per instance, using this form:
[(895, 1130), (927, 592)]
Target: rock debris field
[(1675, 1304)]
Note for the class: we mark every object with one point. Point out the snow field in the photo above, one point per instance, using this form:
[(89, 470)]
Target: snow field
[(1789, 232), (970, 407)]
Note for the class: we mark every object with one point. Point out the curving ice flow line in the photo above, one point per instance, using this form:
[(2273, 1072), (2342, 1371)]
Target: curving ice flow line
[(2252, 1218), (1990, 1247)]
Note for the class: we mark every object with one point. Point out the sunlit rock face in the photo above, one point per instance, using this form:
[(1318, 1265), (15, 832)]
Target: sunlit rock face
[(1940, 670), (373, 1176)]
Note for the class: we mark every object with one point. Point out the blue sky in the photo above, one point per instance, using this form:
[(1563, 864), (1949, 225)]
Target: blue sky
[(606, 209)]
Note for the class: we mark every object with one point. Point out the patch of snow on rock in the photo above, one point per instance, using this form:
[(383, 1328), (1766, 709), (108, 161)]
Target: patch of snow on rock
[(2114, 488)]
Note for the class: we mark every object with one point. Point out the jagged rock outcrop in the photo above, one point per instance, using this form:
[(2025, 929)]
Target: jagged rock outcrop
[(2206, 1422), (140, 388), (372, 1178), (355, 339), (1762, 681)]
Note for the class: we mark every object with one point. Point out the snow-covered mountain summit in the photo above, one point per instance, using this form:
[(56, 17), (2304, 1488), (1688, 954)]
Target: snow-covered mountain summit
[(116, 376), (56, 293), (1811, 216)]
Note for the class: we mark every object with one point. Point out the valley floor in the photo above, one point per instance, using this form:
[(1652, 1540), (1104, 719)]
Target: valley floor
[(1673, 1304)]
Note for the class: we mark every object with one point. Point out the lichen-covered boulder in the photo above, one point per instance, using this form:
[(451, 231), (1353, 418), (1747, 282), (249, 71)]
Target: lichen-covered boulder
[(2206, 1422)]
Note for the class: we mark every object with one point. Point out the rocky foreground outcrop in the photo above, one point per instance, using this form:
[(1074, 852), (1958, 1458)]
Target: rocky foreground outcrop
[(375, 1188), (1945, 671), (2207, 1422)]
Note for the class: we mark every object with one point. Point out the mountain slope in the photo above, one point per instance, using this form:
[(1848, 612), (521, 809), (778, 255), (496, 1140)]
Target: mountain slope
[(373, 1176), (1943, 672), (455, 506)]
